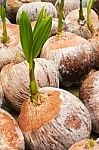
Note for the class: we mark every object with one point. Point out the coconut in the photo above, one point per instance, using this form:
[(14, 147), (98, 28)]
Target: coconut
[(86, 144), (11, 50), (15, 80), (72, 54), (89, 94), (34, 8), (11, 137), (80, 27), (94, 41), (12, 7), (59, 121), (70, 5), (1, 94)]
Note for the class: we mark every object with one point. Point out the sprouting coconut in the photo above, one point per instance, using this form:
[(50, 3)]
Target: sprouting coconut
[(70, 5), (80, 21), (89, 94), (9, 42), (11, 137), (87, 144), (15, 80), (34, 8), (72, 54), (51, 118), (12, 7)]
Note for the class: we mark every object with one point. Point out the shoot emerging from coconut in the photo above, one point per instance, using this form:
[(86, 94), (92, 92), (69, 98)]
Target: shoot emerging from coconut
[(89, 20), (32, 42), (5, 37), (81, 15), (60, 17)]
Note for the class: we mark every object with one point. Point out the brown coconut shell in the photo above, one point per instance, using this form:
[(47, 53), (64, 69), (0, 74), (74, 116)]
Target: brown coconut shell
[(84, 145), (70, 5), (1, 94), (15, 80), (80, 27), (67, 126), (33, 9), (11, 137), (94, 41), (89, 94), (12, 7), (10, 49), (96, 6), (72, 54)]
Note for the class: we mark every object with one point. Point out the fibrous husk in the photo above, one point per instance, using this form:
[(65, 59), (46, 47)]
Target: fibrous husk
[(72, 54), (11, 137), (34, 8), (85, 145), (15, 80), (89, 94), (11, 51), (71, 124), (12, 7), (80, 27), (94, 41), (1, 94), (70, 5)]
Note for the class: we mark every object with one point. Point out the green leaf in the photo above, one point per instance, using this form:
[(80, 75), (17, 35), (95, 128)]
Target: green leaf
[(41, 35), (26, 35), (90, 4), (40, 18), (2, 14)]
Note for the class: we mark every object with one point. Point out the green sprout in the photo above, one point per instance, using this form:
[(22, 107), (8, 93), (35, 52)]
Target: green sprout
[(89, 20), (4, 37), (32, 43), (91, 143), (81, 15), (60, 17)]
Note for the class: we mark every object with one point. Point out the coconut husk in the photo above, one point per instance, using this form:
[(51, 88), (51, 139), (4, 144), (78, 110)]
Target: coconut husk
[(34, 8), (11, 137), (94, 41), (12, 7), (11, 51), (70, 5), (1, 93), (72, 54), (67, 126), (89, 94), (85, 145), (80, 27), (15, 80)]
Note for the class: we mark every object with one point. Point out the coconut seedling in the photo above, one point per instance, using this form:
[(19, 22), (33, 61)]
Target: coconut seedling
[(16, 78), (72, 54), (83, 22), (87, 144), (9, 43), (46, 117)]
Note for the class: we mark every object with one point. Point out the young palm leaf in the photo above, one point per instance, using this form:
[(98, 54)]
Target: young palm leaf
[(81, 16), (89, 20), (26, 35), (32, 42), (4, 37)]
